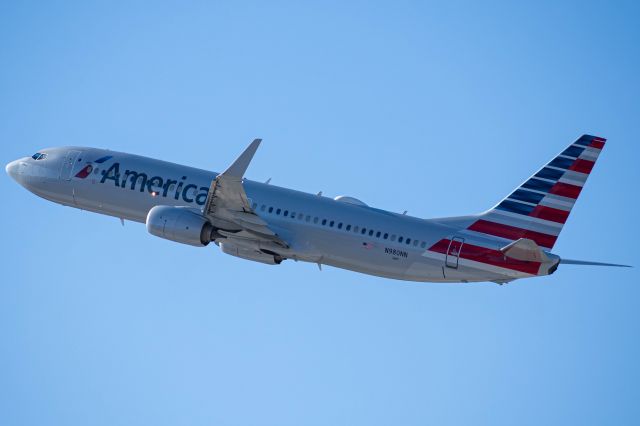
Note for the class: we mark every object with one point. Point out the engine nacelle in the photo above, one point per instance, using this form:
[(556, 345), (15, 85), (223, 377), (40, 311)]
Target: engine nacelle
[(249, 254), (181, 224)]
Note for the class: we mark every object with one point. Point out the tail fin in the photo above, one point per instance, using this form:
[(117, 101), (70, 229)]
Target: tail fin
[(538, 209)]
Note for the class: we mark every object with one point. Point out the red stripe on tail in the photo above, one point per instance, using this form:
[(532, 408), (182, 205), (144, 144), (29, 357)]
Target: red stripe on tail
[(565, 190), (549, 213), (597, 143), (582, 166)]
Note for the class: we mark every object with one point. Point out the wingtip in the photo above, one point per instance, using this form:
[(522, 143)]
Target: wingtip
[(239, 167)]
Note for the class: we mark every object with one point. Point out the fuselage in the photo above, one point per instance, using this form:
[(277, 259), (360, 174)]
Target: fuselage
[(341, 232)]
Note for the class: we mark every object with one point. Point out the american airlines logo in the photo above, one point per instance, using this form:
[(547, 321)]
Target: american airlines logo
[(86, 170), (156, 185)]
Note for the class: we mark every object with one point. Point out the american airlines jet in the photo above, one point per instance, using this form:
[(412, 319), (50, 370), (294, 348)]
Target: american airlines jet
[(268, 224)]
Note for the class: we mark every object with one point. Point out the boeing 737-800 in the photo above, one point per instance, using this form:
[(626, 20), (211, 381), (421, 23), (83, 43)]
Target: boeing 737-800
[(268, 224)]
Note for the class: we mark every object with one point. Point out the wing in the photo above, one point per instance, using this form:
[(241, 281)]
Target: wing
[(229, 210)]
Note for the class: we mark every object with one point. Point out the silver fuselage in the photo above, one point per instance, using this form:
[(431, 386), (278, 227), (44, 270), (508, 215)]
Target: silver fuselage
[(340, 233)]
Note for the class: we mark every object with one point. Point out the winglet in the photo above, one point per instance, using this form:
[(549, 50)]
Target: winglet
[(239, 167)]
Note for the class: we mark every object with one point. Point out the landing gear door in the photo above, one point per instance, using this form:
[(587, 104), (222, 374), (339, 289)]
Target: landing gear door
[(453, 252), (68, 164)]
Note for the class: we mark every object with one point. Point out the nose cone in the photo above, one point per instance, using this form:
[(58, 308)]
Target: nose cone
[(12, 169)]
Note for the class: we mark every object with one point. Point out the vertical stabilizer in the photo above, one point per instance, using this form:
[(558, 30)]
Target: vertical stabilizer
[(538, 209)]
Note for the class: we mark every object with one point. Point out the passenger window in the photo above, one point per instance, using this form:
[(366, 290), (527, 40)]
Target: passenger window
[(286, 213), (324, 222), (415, 243), (400, 239), (364, 231), (340, 225), (385, 236), (331, 224), (300, 215), (254, 206), (348, 228), (355, 229), (423, 245), (370, 232), (393, 237), (408, 241), (278, 211), (270, 209), (308, 218), (315, 219), (293, 215), (263, 208)]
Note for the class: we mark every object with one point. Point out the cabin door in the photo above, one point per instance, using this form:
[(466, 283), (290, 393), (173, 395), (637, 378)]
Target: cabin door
[(453, 252), (68, 164)]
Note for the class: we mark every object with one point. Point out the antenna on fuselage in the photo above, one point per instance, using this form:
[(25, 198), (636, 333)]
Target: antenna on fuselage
[(268, 181), (319, 194)]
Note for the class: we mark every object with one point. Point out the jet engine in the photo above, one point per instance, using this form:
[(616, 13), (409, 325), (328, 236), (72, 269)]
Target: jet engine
[(181, 224), (250, 254)]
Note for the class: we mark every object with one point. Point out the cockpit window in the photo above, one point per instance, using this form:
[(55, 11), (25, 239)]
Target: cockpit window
[(39, 156)]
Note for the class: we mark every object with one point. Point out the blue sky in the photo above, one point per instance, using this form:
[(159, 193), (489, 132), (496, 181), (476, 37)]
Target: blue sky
[(436, 108)]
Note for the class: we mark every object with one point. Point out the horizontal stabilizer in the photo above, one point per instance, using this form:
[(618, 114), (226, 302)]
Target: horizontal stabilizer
[(526, 250), (584, 262)]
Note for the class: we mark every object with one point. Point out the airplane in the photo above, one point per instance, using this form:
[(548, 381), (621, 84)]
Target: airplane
[(269, 224)]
